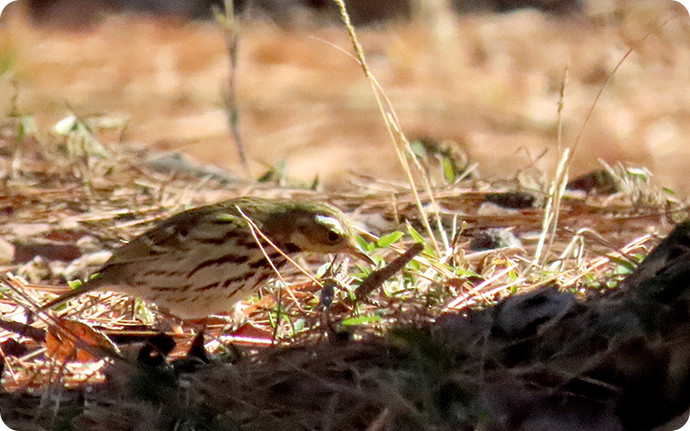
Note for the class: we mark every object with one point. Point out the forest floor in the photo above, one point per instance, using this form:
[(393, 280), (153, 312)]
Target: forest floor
[(95, 121)]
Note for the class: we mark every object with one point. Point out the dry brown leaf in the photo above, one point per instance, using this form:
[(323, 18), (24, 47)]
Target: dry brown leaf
[(69, 340)]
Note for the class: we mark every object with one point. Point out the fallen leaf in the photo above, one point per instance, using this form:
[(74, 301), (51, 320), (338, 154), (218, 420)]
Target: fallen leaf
[(69, 340)]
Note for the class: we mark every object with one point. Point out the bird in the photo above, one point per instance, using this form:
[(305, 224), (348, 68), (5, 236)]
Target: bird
[(204, 260)]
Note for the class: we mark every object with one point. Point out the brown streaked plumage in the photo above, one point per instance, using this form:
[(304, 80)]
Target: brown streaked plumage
[(204, 260)]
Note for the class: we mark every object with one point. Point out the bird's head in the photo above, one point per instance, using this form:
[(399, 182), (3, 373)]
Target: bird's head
[(312, 227)]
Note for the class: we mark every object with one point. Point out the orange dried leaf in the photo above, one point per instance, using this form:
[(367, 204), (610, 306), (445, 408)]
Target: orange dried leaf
[(250, 334), (68, 340)]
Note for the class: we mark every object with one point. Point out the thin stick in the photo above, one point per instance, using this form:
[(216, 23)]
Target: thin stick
[(231, 28), (377, 277)]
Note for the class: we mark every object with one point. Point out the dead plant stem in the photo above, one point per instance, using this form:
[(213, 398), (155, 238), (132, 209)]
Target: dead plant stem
[(395, 132)]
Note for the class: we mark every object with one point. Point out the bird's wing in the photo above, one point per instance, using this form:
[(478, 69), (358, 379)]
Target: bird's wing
[(178, 234), (170, 238)]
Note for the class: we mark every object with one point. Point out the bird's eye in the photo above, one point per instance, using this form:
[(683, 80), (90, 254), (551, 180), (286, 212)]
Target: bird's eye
[(333, 236)]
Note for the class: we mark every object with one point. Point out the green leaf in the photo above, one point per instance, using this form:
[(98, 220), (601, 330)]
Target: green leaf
[(623, 266), (460, 272), (79, 138), (416, 236), (321, 271), (389, 239), (638, 173), (299, 325), (448, 170), (417, 147), (275, 173), (361, 320), (74, 284), (413, 265), (142, 312), (66, 125), (365, 245), (315, 184), (27, 126)]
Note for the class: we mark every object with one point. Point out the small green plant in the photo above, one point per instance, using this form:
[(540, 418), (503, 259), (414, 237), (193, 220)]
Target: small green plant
[(80, 140)]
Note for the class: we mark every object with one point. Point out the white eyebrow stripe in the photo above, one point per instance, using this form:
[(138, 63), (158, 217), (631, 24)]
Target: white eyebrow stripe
[(330, 222)]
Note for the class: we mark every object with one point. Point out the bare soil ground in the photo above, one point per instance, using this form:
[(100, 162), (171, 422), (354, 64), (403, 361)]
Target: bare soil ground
[(490, 83)]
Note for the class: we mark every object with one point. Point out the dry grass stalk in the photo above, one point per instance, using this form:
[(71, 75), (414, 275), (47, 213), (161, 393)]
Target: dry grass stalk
[(395, 132)]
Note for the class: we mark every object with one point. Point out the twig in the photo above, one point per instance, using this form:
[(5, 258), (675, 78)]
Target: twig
[(231, 27), (377, 277)]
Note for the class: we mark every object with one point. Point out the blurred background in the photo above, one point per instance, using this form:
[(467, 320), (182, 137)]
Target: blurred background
[(480, 79)]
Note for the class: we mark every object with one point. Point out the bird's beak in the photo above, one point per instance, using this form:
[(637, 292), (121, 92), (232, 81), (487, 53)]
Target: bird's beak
[(355, 252)]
